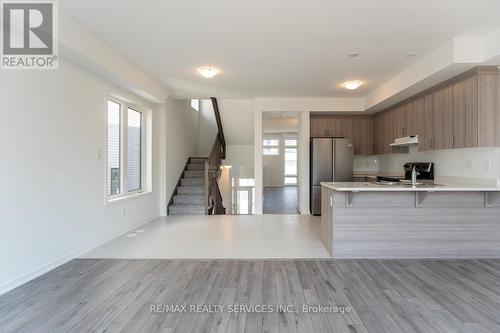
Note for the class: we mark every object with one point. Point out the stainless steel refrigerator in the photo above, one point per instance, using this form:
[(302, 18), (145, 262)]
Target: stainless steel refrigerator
[(331, 161)]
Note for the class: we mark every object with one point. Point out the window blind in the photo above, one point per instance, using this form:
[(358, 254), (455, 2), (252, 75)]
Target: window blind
[(134, 150)]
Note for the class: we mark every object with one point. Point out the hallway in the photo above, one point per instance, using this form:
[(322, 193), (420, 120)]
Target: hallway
[(280, 200)]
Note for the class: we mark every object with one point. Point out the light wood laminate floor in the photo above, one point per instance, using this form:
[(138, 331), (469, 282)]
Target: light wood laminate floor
[(105, 295), (219, 237)]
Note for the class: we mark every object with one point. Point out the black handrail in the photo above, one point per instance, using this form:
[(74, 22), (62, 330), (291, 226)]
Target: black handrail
[(220, 132)]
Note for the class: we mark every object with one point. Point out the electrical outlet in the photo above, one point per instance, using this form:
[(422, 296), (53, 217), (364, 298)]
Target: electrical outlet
[(468, 164), (486, 164)]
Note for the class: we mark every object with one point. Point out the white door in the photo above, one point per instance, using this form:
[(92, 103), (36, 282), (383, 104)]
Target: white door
[(244, 201)]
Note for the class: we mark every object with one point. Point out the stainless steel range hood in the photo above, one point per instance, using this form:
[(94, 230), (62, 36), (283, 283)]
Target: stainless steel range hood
[(405, 141)]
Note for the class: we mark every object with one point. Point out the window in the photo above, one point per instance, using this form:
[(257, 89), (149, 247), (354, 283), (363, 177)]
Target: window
[(271, 151), (134, 149), (114, 158), (247, 182), (271, 147), (271, 142), (290, 161), (126, 172), (195, 104)]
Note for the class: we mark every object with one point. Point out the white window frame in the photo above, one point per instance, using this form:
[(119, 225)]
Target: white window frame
[(278, 146), (285, 146), (146, 163)]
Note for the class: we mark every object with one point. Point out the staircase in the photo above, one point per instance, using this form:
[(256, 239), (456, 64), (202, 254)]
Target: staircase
[(190, 192), (197, 191)]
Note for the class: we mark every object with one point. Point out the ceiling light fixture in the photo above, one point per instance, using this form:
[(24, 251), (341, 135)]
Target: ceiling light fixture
[(208, 72), (351, 85), (411, 54), (353, 54)]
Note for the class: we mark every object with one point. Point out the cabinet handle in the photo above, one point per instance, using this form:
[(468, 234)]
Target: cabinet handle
[(453, 142)]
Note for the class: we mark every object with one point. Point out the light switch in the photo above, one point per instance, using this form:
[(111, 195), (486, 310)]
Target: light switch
[(98, 154), (486, 164)]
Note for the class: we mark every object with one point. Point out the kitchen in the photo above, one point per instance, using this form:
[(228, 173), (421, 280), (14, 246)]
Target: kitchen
[(421, 180)]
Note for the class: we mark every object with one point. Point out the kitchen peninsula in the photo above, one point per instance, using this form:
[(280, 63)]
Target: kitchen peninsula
[(449, 220)]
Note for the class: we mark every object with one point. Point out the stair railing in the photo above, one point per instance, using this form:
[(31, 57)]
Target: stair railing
[(213, 196)]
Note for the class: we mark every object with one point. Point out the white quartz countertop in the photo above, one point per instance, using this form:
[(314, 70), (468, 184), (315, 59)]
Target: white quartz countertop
[(438, 187)]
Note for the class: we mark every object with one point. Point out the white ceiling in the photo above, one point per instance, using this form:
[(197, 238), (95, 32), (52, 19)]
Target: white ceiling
[(279, 47)]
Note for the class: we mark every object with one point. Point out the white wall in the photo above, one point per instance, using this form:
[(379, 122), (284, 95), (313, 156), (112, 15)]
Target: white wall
[(467, 163), (473, 163), (241, 156), (237, 117), (52, 203), (87, 49), (367, 164), (181, 140), (207, 128)]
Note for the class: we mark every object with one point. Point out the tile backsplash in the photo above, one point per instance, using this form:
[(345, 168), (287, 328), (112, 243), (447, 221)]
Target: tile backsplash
[(481, 163)]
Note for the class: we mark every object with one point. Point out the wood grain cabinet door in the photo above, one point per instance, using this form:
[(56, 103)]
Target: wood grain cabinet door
[(442, 118), (412, 115), (425, 122), (340, 127), (362, 136), (401, 121), (489, 110), (319, 127), (465, 113)]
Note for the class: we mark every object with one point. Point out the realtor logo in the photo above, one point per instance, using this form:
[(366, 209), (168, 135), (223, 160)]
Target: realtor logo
[(29, 35)]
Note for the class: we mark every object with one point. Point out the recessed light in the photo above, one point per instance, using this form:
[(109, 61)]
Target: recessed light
[(411, 54), (208, 72), (351, 85), (353, 54)]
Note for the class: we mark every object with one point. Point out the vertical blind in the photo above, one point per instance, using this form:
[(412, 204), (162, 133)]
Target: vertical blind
[(114, 167), (134, 130)]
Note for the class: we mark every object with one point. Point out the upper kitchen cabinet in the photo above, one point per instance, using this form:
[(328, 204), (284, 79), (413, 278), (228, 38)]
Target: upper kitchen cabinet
[(401, 121), (424, 106), (461, 113), (330, 126), (358, 129), (340, 126), (442, 118), (384, 132), (489, 108), (318, 127), (465, 112), (362, 135)]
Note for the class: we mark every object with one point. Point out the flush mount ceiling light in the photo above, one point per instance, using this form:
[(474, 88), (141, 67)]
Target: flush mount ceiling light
[(351, 85), (410, 54), (208, 72), (353, 54)]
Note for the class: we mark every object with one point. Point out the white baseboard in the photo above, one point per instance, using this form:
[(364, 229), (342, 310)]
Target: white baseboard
[(6, 287)]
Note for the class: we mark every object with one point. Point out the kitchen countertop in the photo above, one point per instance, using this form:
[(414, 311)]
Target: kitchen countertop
[(438, 187)]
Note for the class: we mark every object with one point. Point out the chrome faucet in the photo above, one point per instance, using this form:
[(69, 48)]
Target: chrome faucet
[(414, 175)]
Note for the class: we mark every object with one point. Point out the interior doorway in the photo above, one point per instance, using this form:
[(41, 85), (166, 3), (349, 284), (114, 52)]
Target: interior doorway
[(280, 162)]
